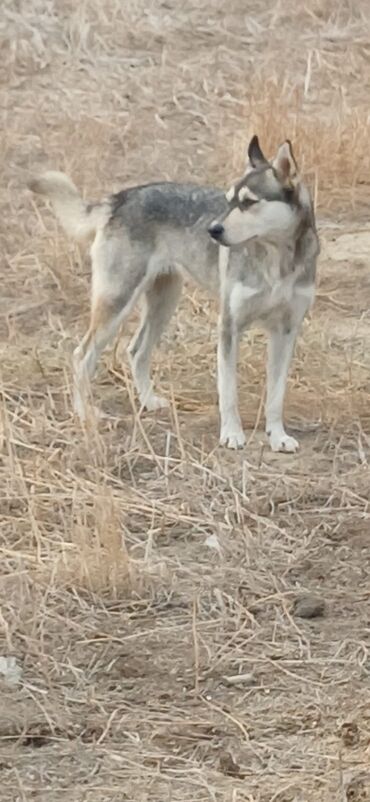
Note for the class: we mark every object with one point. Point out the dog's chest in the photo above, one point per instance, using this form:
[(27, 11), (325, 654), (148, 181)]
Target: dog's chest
[(262, 287)]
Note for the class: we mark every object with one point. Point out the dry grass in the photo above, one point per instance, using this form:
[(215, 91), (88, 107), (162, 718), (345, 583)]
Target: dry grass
[(148, 578)]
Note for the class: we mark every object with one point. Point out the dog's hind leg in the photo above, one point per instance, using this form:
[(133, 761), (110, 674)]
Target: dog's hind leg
[(116, 286), (104, 324), (160, 301)]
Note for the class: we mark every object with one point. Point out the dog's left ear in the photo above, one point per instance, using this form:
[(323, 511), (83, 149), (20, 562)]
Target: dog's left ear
[(285, 164)]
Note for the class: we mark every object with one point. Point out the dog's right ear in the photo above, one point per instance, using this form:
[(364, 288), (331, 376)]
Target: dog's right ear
[(286, 165), (255, 155)]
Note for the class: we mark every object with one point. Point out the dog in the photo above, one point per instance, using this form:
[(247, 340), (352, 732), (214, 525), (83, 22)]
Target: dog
[(255, 246)]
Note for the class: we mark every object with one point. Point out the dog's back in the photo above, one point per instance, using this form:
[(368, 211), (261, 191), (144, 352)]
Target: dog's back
[(167, 203)]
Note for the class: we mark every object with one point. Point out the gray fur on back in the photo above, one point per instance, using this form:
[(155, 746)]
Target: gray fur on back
[(178, 205)]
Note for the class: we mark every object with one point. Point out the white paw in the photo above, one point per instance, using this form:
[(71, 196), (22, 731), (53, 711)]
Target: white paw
[(89, 414), (98, 413), (232, 438), (155, 402), (279, 441), (80, 409)]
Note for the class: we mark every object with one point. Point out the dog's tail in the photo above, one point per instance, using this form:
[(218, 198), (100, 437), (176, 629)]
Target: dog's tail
[(78, 218)]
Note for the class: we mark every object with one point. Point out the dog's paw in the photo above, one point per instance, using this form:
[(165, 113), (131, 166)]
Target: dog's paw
[(232, 438), (89, 415), (155, 402), (283, 442)]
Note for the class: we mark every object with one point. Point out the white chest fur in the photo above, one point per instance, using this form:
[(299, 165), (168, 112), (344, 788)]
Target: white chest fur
[(259, 282)]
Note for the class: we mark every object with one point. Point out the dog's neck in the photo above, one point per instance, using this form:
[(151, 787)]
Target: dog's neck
[(273, 260)]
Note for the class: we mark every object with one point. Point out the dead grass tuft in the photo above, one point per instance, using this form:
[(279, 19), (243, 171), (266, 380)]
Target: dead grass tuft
[(96, 559)]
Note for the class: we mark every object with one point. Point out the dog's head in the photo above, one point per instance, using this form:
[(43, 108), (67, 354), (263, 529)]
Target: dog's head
[(265, 203)]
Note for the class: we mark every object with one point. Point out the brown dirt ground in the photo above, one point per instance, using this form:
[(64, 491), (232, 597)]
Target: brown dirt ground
[(149, 578)]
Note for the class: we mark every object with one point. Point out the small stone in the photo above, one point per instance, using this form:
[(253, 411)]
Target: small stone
[(358, 789), (350, 733), (240, 679), (10, 671), (228, 766), (309, 607)]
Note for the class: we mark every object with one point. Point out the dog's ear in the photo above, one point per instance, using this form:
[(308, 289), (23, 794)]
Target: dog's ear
[(255, 155), (285, 164)]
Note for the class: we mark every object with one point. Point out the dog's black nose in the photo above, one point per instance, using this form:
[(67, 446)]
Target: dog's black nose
[(216, 230)]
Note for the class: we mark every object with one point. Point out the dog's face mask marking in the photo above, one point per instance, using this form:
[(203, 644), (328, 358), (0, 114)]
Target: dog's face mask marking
[(263, 204)]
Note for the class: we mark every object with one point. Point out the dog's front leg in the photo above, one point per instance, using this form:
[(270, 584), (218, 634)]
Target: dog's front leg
[(232, 434), (280, 351)]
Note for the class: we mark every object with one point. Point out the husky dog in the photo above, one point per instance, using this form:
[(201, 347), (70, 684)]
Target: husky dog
[(256, 247)]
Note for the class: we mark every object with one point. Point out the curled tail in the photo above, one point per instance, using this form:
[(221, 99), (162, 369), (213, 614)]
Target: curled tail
[(78, 218)]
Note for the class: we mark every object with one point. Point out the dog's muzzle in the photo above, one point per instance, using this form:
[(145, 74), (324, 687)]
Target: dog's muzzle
[(216, 231)]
